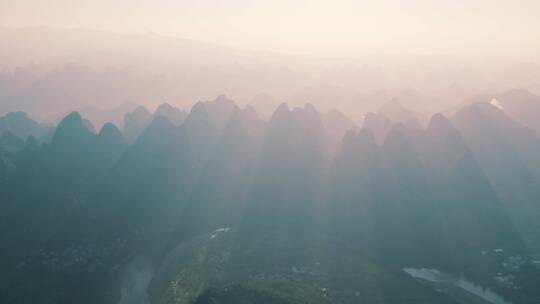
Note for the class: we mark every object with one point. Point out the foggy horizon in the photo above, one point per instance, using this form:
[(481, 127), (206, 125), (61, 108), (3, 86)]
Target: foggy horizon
[(477, 29)]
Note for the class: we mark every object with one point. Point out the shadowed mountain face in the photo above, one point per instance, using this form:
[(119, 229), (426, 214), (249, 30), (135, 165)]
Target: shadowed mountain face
[(286, 192), (135, 122), (9, 146), (335, 126), (220, 195), (220, 206), (50, 184), (509, 154), (521, 105)]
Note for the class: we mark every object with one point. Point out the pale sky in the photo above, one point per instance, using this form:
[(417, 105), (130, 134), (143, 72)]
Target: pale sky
[(315, 27)]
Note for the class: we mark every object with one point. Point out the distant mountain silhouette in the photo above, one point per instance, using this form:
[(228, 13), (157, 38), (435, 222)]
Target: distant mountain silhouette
[(175, 115), (135, 122), (100, 117), (264, 104), (73, 130), (399, 114), (378, 124), (220, 110)]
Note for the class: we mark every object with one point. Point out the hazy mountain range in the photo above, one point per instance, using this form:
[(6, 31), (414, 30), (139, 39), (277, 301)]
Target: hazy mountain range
[(50, 72), (223, 205)]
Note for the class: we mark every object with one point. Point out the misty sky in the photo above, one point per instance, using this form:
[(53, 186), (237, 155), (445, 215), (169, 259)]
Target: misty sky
[(328, 28)]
